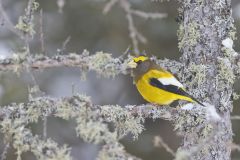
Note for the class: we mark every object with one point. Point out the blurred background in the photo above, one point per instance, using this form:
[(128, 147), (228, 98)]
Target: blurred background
[(88, 28)]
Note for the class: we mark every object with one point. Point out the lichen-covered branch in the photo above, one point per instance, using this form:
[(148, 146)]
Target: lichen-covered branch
[(92, 123), (63, 107), (103, 63)]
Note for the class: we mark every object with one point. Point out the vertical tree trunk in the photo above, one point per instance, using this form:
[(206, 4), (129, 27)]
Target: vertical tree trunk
[(204, 25)]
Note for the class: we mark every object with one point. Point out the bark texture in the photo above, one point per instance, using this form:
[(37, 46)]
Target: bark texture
[(204, 25)]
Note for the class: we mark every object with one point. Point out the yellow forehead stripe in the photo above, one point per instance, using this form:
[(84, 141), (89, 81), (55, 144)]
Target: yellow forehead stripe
[(140, 58)]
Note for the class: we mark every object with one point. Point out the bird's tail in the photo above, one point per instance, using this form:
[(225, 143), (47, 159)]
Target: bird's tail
[(194, 99)]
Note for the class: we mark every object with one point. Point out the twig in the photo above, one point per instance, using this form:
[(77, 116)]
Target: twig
[(28, 21), (9, 24), (65, 43), (34, 93), (5, 150), (61, 4), (235, 147), (29, 11), (133, 32), (148, 15), (109, 6), (235, 117), (41, 32), (73, 88), (158, 142), (45, 120)]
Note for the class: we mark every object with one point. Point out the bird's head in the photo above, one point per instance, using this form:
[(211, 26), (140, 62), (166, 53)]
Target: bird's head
[(140, 65)]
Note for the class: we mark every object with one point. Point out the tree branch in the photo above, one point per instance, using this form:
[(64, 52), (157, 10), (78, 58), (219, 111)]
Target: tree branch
[(103, 63), (92, 124), (51, 107), (9, 24), (134, 34), (92, 120)]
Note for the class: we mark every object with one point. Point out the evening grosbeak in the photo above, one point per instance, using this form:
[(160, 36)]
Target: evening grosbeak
[(157, 85)]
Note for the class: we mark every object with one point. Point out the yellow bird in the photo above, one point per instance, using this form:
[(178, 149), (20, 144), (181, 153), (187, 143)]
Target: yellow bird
[(157, 85)]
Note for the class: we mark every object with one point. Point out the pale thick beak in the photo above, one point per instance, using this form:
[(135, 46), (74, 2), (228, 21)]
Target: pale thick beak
[(132, 64)]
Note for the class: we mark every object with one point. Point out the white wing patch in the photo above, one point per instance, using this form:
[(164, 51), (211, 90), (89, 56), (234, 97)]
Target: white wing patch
[(170, 81)]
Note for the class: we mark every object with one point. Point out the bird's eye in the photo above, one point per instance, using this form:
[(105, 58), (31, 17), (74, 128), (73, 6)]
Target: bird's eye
[(139, 62)]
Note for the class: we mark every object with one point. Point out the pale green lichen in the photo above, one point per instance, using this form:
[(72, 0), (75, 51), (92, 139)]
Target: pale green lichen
[(229, 53), (123, 120), (103, 63), (206, 131), (180, 35), (48, 150), (199, 72), (225, 71), (192, 121), (236, 96), (188, 35), (65, 111), (114, 151), (232, 33), (92, 124), (20, 56), (182, 155), (25, 22), (25, 27), (23, 141), (194, 78), (94, 131)]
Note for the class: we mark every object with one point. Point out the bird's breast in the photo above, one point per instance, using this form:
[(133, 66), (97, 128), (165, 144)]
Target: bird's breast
[(153, 94)]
